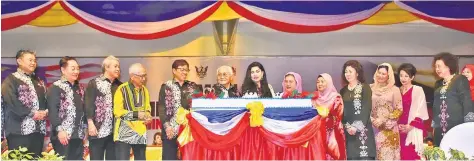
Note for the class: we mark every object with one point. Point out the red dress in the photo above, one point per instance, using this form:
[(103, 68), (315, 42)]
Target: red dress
[(408, 152)]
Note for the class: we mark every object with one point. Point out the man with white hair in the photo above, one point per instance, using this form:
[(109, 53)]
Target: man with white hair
[(224, 87), (132, 113), (99, 109)]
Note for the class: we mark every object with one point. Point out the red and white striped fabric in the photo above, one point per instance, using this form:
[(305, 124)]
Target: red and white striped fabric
[(22, 17), (301, 22), (141, 30), (452, 15)]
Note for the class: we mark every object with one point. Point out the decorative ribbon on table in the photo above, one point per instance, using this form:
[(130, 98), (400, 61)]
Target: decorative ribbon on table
[(256, 111), (185, 136)]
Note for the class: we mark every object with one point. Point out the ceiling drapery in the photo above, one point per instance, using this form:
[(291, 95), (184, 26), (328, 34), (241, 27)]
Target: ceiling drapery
[(143, 20)]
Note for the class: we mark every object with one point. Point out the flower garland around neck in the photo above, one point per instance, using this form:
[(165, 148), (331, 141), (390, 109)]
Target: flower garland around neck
[(357, 97)]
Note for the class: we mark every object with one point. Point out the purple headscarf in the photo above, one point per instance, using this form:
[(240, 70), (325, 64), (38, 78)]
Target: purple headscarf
[(299, 82)]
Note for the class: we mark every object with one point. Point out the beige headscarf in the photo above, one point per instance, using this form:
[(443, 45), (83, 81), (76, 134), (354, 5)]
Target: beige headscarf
[(391, 77)]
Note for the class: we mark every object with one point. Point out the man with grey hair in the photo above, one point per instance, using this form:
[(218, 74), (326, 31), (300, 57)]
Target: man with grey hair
[(132, 112), (99, 109), (224, 87)]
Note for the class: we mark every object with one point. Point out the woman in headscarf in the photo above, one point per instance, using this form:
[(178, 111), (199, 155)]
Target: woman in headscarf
[(386, 109), (292, 85), (467, 71), (414, 113), (330, 99)]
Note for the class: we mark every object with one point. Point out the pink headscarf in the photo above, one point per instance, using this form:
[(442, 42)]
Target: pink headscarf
[(299, 83), (329, 95)]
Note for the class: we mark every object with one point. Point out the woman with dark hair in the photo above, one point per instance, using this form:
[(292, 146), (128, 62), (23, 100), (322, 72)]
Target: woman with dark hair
[(357, 99), (414, 113), (386, 109), (157, 139), (452, 99), (255, 82), (67, 114)]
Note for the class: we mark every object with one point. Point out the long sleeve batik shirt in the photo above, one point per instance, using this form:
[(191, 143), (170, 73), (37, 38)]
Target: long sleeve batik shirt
[(172, 96), (66, 109), (99, 104), (23, 95)]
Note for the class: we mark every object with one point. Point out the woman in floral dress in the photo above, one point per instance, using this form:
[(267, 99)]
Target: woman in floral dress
[(329, 98), (386, 109)]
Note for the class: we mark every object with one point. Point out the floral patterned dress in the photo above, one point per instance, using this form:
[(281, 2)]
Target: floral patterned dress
[(386, 109)]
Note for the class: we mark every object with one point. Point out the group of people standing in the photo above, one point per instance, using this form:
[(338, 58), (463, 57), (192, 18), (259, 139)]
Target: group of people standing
[(385, 122), (111, 114), (376, 121)]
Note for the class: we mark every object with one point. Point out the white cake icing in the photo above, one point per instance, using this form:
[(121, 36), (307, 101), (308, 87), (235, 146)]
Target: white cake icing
[(240, 103)]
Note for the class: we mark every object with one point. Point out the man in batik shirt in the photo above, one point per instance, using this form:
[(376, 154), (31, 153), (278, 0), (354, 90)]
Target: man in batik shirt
[(224, 87), (25, 105), (99, 110), (132, 112), (67, 113), (174, 93)]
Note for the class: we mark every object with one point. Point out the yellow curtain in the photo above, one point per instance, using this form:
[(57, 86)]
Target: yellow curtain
[(224, 12), (54, 17), (390, 14)]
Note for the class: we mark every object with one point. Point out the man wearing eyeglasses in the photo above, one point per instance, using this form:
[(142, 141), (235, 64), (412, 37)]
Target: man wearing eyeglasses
[(24, 99), (224, 87), (132, 113), (174, 93)]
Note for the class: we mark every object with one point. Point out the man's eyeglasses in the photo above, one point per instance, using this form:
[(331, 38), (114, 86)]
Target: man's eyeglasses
[(142, 76), (225, 75), (183, 69)]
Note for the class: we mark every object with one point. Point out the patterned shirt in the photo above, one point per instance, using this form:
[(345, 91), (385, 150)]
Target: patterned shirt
[(172, 96), (99, 104), (128, 101), (66, 109), (23, 95), (220, 90)]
